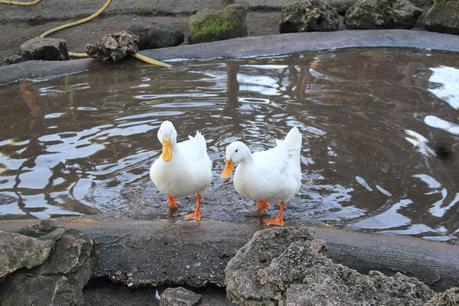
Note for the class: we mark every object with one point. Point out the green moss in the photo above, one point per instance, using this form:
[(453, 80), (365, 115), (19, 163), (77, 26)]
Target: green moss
[(211, 25)]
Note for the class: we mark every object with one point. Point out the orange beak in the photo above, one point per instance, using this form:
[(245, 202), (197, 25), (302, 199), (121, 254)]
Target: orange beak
[(167, 150), (228, 170)]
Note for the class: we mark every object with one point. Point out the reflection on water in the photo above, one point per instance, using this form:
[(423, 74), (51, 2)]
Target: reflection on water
[(371, 119)]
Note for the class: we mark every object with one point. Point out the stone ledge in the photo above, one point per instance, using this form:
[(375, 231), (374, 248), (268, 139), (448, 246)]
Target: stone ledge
[(271, 45), (137, 253)]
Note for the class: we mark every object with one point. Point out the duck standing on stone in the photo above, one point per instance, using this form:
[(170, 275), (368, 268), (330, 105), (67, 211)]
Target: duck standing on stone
[(268, 176), (183, 168)]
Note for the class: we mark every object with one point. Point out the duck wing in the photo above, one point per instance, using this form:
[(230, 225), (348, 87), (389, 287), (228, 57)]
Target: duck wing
[(272, 162)]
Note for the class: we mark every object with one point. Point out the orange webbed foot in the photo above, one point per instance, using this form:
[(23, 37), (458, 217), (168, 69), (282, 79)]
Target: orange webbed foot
[(172, 204), (262, 206), (196, 215), (278, 219)]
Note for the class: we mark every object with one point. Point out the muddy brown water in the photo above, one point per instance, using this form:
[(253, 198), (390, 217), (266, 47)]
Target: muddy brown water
[(371, 120)]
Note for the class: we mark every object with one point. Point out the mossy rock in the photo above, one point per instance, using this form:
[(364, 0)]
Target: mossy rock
[(211, 25), (382, 14), (288, 266), (443, 16), (309, 15)]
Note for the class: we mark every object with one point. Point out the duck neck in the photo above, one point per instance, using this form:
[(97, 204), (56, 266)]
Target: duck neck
[(247, 160)]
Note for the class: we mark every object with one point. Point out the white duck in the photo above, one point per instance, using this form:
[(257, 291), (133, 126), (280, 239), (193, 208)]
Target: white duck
[(268, 176), (183, 168)]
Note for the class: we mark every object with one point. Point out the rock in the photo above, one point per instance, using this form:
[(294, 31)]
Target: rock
[(225, 3), (211, 25), (449, 297), (60, 279), (38, 229), (179, 297), (153, 36), (382, 14), (13, 59), (341, 6), (114, 47), (443, 16), (308, 15), (19, 251), (285, 266), (43, 48), (422, 3)]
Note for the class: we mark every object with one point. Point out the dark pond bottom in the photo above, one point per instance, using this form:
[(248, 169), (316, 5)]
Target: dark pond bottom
[(372, 120)]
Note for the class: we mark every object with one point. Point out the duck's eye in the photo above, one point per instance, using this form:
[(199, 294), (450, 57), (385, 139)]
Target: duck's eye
[(236, 150)]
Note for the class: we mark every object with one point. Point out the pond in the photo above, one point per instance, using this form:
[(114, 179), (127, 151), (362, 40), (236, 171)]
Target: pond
[(371, 120)]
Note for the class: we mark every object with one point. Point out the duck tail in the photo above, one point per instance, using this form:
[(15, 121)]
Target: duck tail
[(292, 143), (200, 140)]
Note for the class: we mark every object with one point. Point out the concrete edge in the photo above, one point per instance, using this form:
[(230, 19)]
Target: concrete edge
[(271, 45), (166, 252)]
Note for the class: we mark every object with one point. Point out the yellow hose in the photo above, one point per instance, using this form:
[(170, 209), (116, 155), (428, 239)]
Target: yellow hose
[(140, 57), (149, 60), (81, 21), (12, 2)]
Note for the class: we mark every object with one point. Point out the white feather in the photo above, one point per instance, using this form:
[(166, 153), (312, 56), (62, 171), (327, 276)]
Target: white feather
[(273, 175), (188, 172)]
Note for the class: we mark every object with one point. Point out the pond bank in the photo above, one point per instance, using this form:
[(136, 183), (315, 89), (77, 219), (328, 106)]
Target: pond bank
[(163, 252), (279, 44), (135, 258)]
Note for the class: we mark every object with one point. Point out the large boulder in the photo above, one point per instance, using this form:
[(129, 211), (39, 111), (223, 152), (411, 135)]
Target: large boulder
[(18, 251), (114, 47), (153, 36), (179, 297), (211, 25), (443, 16), (382, 14), (43, 48), (57, 281), (286, 266), (309, 15)]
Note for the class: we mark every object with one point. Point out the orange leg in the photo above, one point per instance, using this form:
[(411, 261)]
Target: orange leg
[(171, 203), (277, 220), (262, 205), (196, 215)]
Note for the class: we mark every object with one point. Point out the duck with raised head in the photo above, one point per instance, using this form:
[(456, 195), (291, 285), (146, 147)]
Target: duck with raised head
[(183, 168), (271, 176)]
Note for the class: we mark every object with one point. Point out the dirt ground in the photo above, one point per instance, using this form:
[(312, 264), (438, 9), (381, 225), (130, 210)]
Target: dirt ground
[(258, 24), (19, 24)]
